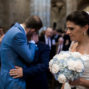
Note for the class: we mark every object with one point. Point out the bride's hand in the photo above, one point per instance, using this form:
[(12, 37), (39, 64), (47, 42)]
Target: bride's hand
[(62, 86), (75, 82)]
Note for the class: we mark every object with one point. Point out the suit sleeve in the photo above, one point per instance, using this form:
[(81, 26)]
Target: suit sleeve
[(39, 68), (22, 49), (0, 57)]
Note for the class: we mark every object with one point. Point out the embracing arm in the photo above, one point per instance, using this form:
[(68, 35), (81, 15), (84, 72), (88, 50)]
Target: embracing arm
[(39, 68), (33, 70)]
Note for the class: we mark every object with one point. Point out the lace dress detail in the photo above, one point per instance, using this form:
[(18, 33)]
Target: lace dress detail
[(86, 64)]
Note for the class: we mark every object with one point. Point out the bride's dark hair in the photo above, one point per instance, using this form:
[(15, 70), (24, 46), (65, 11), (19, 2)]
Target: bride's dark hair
[(80, 18)]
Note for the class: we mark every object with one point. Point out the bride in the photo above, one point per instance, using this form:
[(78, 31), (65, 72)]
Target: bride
[(77, 24)]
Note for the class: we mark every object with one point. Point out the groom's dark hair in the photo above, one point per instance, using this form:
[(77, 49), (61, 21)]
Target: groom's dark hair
[(33, 22)]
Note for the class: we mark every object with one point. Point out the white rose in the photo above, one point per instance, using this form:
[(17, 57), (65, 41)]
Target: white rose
[(65, 54), (55, 68), (51, 62), (60, 57), (71, 65), (76, 54), (57, 57), (61, 78), (79, 66), (50, 68)]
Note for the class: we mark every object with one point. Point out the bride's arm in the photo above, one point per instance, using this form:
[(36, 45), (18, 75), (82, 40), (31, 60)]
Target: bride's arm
[(81, 82), (84, 82), (62, 86)]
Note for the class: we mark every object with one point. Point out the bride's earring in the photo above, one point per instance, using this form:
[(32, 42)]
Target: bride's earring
[(84, 33)]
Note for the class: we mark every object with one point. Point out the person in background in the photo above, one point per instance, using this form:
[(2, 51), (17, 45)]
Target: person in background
[(60, 45), (59, 33), (46, 38), (67, 41)]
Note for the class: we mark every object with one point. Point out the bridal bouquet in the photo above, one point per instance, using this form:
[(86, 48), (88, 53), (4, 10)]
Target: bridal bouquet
[(66, 66)]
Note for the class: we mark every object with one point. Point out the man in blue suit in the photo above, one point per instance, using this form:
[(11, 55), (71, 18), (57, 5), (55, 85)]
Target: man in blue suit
[(35, 74), (14, 44)]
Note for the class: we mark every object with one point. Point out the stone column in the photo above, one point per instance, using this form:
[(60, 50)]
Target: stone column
[(71, 5), (41, 8)]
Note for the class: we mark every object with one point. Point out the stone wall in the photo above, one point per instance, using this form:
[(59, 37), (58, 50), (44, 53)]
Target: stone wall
[(82, 4), (12, 11)]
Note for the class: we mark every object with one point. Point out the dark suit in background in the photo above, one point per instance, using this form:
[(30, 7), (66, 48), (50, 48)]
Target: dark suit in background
[(52, 49), (66, 39), (35, 74)]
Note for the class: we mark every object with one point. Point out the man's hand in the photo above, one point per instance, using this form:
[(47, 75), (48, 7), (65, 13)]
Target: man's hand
[(17, 72), (35, 37)]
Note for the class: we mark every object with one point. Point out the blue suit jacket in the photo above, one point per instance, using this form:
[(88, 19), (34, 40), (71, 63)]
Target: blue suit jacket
[(35, 74), (14, 44)]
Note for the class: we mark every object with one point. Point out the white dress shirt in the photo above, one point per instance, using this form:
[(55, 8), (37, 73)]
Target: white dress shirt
[(60, 47), (48, 41)]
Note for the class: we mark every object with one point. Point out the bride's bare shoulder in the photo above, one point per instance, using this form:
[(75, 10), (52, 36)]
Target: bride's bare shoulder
[(73, 46)]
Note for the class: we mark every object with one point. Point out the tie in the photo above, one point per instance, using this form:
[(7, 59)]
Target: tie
[(59, 49), (49, 43)]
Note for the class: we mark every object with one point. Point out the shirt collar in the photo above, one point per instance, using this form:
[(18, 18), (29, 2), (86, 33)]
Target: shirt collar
[(22, 27)]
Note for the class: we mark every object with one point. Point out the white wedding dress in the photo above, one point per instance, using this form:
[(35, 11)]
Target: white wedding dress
[(86, 72)]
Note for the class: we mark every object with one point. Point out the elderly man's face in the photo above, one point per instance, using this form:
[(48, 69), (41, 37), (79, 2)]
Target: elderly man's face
[(49, 32), (60, 41)]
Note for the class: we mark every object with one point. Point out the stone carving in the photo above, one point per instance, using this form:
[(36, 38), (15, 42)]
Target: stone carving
[(58, 12)]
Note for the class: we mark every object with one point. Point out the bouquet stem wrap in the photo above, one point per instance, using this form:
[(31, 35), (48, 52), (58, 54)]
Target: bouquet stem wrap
[(67, 86)]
